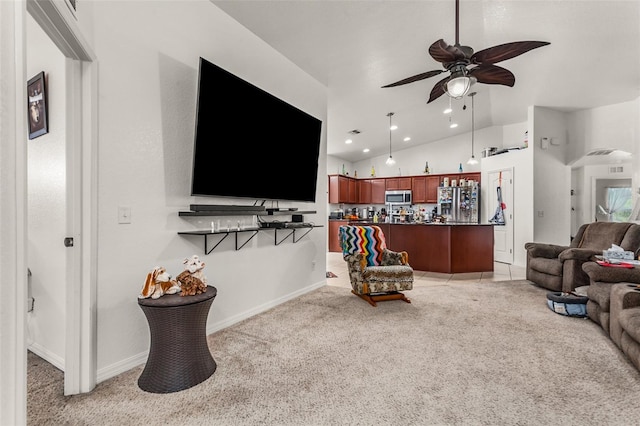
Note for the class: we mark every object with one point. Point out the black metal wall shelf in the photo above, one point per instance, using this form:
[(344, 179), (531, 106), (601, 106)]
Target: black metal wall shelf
[(243, 213), (291, 229)]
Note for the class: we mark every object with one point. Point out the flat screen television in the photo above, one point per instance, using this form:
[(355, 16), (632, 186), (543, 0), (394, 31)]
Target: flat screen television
[(251, 144)]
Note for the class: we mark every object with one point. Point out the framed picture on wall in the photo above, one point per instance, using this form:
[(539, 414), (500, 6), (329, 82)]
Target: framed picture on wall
[(37, 106)]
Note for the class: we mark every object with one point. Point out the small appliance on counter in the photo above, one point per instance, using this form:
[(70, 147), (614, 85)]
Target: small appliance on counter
[(400, 213), (371, 212), (336, 214)]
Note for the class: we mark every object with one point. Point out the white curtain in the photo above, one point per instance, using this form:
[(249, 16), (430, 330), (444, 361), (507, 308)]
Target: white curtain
[(615, 200)]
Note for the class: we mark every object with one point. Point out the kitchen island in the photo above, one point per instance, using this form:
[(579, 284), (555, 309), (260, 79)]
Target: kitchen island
[(442, 247)]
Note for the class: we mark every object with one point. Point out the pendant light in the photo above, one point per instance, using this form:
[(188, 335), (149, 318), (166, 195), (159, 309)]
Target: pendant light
[(472, 160), (390, 161)]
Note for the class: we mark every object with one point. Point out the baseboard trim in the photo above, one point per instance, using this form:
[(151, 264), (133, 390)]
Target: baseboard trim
[(52, 358), (141, 358)]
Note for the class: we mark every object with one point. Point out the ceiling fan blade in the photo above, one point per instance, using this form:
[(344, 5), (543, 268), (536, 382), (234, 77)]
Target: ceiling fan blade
[(493, 74), (417, 77), (445, 53), (505, 51), (438, 90)]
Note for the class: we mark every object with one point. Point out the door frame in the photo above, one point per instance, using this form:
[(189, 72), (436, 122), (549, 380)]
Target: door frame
[(59, 24)]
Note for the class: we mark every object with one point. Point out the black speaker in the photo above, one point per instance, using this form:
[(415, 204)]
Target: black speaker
[(296, 218)]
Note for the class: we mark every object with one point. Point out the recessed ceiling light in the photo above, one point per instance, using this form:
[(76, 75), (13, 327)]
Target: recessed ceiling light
[(348, 141), (407, 139), (447, 111), (365, 150), (394, 127), (453, 125)]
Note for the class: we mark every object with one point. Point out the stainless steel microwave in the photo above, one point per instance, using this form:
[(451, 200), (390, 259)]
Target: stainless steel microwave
[(397, 197)]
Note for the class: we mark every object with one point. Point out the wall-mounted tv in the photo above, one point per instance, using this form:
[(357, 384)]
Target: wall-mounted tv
[(251, 144)]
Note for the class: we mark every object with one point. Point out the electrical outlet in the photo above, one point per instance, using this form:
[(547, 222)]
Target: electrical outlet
[(124, 214), (313, 265), (540, 213)]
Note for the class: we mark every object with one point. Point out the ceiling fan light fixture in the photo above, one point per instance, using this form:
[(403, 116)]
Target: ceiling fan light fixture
[(457, 87), (456, 58)]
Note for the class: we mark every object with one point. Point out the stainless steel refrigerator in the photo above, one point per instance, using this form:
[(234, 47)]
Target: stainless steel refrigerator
[(460, 204)]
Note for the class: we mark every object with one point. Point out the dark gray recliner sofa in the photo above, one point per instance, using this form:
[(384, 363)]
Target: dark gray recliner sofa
[(559, 268), (602, 280)]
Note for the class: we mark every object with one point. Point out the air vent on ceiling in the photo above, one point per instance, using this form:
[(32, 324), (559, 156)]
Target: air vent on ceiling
[(600, 152), (354, 132), (616, 169)]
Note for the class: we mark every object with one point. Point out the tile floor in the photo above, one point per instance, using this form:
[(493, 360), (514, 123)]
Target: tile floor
[(501, 272)]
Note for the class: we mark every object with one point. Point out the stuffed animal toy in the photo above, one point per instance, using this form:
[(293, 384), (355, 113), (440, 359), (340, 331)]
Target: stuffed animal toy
[(192, 280), (158, 283)]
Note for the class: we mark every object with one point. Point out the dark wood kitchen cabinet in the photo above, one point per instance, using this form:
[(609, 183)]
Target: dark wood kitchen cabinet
[(342, 189), (399, 183), (419, 189), (378, 187)]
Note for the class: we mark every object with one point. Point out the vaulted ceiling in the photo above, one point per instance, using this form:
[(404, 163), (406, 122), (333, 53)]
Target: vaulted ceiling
[(355, 47)]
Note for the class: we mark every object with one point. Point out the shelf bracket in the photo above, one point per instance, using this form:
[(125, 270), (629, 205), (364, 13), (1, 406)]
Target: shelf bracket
[(239, 244), (291, 232), (206, 242), (255, 232), (295, 240)]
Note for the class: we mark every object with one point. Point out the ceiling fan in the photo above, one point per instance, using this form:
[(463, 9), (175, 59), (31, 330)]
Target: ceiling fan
[(457, 60)]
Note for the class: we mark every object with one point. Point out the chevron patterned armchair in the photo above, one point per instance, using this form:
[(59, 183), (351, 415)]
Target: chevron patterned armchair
[(376, 273)]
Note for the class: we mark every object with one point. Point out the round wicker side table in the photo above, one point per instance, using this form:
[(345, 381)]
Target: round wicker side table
[(179, 357)]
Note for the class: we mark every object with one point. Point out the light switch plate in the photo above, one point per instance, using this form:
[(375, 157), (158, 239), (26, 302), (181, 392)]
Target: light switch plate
[(544, 143), (124, 214)]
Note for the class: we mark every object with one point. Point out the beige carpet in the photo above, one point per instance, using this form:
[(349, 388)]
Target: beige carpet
[(459, 354)]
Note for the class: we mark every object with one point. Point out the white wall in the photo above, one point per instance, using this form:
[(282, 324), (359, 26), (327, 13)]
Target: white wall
[(444, 156), (147, 87), (335, 164), (552, 186), (46, 205), (612, 126)]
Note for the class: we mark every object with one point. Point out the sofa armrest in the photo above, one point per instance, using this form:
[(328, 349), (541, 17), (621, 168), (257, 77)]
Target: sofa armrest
[(608, 274), (578, 254), (549, 251), (390, 257)]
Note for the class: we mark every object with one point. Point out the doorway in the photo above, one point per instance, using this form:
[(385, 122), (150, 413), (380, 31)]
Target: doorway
[(77, 239), (500, 185)]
